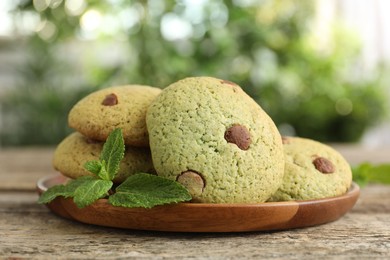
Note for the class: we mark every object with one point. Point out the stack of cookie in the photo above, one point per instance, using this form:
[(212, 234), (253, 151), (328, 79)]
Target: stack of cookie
[(94, 117), (208, 135)]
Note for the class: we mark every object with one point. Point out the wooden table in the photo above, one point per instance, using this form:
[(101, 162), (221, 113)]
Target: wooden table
[(29, 230)]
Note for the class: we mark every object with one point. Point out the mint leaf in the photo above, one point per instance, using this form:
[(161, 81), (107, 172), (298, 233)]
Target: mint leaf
[(367, 173), (65, 191), (94, 167), (54, 192), (146, 191), (98, 168), (89, 190), (112, 154), (359, 173), (379, 174)]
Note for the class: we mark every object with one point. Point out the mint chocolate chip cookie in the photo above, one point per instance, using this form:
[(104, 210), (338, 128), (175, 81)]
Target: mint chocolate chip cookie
[(75, 150), (99, 113), (210, 136), (313, 170)]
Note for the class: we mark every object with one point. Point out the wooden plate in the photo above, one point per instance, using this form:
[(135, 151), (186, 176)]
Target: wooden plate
[(201, 217)]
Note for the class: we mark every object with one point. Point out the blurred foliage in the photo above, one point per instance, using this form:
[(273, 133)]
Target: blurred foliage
[(309, 87), (36, 111)]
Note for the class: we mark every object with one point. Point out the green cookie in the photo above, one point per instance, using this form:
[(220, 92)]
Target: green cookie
[(209, 135), (313, 170), (99, 113)]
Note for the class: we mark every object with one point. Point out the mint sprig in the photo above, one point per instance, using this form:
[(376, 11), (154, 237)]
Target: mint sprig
[(140, 190), (112, 154), (87, 189), (366, 173)]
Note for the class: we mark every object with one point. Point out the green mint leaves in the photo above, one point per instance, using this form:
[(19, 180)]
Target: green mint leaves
[(90, 190), (140, 190), (368, 173), (84, 190), (111, 156), (87, 189), (147, 191)]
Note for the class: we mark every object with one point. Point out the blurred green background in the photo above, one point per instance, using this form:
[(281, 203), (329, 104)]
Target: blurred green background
[(310, 88)]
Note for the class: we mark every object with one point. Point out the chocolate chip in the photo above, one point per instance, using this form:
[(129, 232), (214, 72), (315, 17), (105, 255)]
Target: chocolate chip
[(110, 100), (193, 181), (228, 82), (239, 135), (323, 165)]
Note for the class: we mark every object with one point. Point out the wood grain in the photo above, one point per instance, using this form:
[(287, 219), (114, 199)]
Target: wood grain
[(29, 230), (21, 168)]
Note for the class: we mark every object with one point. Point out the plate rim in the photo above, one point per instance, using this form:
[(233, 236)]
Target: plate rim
[(67, 209), (41, 187)]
